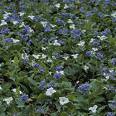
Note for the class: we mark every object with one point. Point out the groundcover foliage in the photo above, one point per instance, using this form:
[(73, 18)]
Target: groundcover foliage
[(57, 58)]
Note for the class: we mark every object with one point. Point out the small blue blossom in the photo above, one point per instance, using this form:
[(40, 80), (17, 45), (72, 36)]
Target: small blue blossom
[(42, 84), (8, 40), (110, 114), (47, 28), (113, 61), (60, 22), (89, 53), (57, 75), (76, 33), (24, 97), (112, 105), (99, 55), (68, 1), (36, 65), (107, 1), (83, 88), (58, 68), (63, 31)]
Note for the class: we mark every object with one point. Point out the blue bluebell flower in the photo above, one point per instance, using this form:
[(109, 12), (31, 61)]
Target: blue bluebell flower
[(4, 31), (112, 104), (105, 32), (60, 22), (110, 114), (107, 1), (99, 55), (68, 1), (96, 43), (8, 40), (36, 65), (57, 75), (89, 53), (63, 31), (42, 84), (24, 97), (47, 28), (113, 61), (41, 69), (58, 68), (83, 88), (76, 33)]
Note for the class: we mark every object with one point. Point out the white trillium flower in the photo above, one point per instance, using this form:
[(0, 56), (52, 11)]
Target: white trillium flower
[(49, 60), (8, 100), (31, 30), (44, 48), (14, 90), (22, 25), (66, 6), (0, 88), (70, 21), (95, 49), (36, 56), (21, 13), (50, 91), (57, 5), (61, 72), (85, 67), (103, 37), (15, 22), (66, 57), (72, 26), (81, 43), (15, 40), (3, 22), (25, 56), (6, 15), (56, 43), (31, 17), (93, 109), (43, 56), (113, 14), (44, 23), (74, 56), (63, 100)]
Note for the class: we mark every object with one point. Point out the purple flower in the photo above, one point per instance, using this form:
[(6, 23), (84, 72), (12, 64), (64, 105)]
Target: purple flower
[(30, 42), (105, 32), (95, 43), (76, 33), (88, 14), (68, 1), (47, 28), (57, 75), (58, 68), (60, 22), (83, 88), (113, 61), (42, 84), (107, 1), (82, 10), (41, 69), (110, 114), (36, 65), (63, 31), (8, 40), (112, 105), (24, 97), (99, 55), (89, 53), (4, 31)]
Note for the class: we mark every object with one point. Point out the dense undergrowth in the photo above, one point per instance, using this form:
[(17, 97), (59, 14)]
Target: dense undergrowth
[(57, 58)]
